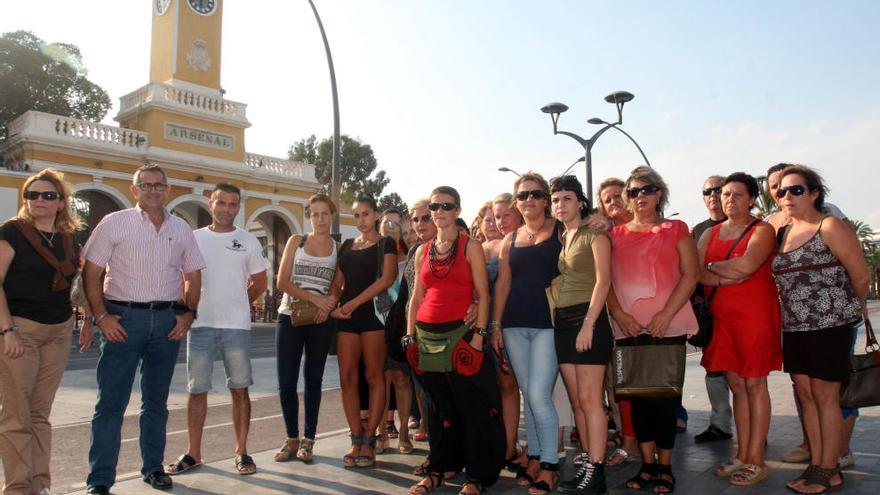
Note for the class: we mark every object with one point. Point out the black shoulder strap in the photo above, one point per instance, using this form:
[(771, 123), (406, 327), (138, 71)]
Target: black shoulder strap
[(302, 240), (380, 250), (744, 232)]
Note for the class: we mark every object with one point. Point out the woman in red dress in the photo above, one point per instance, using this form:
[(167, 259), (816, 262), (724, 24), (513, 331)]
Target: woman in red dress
[(746, 340)]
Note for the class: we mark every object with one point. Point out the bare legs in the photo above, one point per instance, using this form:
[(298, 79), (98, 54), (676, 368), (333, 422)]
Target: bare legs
[(351, 346), (751, 412), (823, 423), (197, 411)]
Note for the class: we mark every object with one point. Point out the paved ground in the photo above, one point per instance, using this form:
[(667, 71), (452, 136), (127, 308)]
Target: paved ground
[(693, 463)]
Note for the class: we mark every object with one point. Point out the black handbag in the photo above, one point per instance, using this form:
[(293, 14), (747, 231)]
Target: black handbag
[(647, 367), (703, 307), (863, 389)]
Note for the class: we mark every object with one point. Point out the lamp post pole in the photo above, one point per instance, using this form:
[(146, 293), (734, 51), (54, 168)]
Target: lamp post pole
[(335, 184), (618, 98)]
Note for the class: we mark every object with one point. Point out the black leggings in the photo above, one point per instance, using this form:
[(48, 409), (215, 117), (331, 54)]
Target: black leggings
[(290, 344), (465, 429), (654, 420)]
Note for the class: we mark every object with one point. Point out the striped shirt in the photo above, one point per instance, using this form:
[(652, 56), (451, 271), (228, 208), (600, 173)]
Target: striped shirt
[(143, 264)]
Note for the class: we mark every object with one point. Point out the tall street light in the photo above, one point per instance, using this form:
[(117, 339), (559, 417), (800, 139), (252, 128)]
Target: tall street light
[(335, 184), (505, 169), (618, 98)]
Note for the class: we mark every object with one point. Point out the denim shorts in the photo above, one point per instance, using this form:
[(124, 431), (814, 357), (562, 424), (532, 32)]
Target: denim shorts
[(234, 347)]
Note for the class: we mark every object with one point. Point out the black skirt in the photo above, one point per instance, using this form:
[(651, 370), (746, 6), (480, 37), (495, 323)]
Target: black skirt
[(822, 354), (568, 323)]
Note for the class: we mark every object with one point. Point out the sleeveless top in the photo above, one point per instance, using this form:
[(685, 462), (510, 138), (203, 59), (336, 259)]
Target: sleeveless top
[(815, 291), (532, 268), (311, 273), (577, 269), (446, 299)]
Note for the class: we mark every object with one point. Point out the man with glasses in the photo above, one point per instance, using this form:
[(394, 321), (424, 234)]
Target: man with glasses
[(148, 254), (716, 385)]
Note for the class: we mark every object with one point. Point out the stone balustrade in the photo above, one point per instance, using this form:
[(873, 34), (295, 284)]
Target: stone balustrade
[(174, 97), (44, 125), (263, 164)]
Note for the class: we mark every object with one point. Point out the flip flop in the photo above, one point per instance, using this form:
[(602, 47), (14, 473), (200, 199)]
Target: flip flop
[(184, 463), (244, 464)]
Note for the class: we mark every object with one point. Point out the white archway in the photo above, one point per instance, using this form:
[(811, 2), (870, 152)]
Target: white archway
[(286, 215), (121, 200), (186, 198)]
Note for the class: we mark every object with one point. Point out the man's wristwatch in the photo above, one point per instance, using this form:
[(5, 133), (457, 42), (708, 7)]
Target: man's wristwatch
[(97, 319), (4, 331), (181, 308)]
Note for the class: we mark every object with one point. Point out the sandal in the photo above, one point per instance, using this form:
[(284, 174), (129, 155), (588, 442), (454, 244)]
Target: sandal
[(749, 474), (363, 461), (244, 464), (435, 481), (420, 436), (728, 469), (304, 452), (640, 481), (523, 478), (617, 457), (381, 444), (469, 486), (350, 460), (822, 477), (422, 469), (288, 450), (541, 487), (184, 463), (615, 440), (391, 429), (661, 484), (404, 445)]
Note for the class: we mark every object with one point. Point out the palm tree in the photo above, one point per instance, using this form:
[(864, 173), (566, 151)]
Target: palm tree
[(766, 205), (869, 249)]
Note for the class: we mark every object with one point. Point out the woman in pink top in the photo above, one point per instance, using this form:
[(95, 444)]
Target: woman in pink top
[(654, 269)]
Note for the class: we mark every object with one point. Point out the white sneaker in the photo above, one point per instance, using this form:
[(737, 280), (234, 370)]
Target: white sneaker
[(847, 460)]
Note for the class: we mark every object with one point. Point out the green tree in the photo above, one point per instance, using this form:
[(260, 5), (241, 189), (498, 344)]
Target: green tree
[(48, 77), (765, 204), (393, 200), (357, 165)]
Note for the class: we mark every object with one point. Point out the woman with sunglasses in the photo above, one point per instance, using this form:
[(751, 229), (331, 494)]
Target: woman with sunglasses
[(523, 327), (819, 261), (464, 422), (360, 332), (654, 271), (38, 262), (745, 305), (583, 337)]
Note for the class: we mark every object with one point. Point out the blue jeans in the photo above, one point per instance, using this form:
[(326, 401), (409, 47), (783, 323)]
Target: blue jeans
[(147, 344), (532, 354), (290, 344)]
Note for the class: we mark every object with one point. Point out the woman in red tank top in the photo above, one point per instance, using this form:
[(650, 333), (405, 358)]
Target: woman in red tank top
[(465, 430)]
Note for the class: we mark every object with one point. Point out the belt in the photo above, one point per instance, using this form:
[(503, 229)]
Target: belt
[(153, 305)]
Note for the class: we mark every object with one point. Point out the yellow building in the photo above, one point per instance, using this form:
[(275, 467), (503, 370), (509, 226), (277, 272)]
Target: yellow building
[(181, 121)]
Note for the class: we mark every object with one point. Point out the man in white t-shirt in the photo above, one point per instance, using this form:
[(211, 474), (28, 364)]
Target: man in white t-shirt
[(235, 276)]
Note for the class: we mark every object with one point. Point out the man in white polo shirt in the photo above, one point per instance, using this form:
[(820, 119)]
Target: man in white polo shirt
[(235, 276)]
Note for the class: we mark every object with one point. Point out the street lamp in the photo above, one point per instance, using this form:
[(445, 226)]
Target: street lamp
[(618, 98), (505, 169), (572, 165), (335, 184)]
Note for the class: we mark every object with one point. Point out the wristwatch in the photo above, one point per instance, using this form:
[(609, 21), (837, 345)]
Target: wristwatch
[(407, 340), (181, 308), (4, 331), (483, 332), (97, 319)]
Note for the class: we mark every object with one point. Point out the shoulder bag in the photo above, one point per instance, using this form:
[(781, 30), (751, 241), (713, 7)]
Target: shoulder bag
[(384, 300), (863, 389), (644, 366), (302, 312), (703, 309)]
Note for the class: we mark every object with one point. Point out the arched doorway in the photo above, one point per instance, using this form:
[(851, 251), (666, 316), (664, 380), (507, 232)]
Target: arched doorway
[(194, 213), (92, 205)]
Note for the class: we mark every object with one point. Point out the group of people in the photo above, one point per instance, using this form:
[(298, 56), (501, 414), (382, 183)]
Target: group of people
[(461, 322)]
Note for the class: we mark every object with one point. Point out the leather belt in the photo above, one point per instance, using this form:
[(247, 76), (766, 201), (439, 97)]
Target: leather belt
[(152, 305)]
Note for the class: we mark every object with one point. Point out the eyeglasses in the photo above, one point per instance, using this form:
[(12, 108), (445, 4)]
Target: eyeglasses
[(391, 223), (444, 206), (711, 190), (47, 195), (648, 190), (534, 193), (152, 186), (422, 219), (794, 190)]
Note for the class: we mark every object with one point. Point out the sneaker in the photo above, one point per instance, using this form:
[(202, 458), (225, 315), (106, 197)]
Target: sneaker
[(712, 434), (581, 458), (589, 480), (847, 460)]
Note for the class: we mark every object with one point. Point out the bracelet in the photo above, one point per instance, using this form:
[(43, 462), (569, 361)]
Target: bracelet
[(407, 340), (13, 328), (97, 320), (483, 332), (496, 325)]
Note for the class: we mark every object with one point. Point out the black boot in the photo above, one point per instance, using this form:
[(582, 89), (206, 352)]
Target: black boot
[(593, 480)]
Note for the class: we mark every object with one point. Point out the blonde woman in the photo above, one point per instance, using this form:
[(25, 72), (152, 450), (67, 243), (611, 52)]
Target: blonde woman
[(38, 261)]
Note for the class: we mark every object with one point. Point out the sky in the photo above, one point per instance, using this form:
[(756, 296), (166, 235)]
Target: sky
[(447, 91)]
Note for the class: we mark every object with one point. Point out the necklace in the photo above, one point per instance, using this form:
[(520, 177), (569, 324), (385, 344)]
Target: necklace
[(47, 239), (441, 267), (531, 236)]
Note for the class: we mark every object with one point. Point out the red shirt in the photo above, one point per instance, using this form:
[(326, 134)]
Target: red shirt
[(448, 297)]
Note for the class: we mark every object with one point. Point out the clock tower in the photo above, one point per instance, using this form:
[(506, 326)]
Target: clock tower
[(183, 107), (186, 42)]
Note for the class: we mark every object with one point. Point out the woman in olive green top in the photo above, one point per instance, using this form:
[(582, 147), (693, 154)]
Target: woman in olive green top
[(582, 331)]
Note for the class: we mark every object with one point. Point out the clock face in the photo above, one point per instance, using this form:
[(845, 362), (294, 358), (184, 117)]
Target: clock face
[(204, 7), (162, 6)]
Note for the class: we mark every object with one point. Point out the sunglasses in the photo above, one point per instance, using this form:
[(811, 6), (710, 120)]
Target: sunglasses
[(534, 193), (47, 195), (152, 186), (711, 190), (422, 219), (444, 206), (794, 190), (648, 190)]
